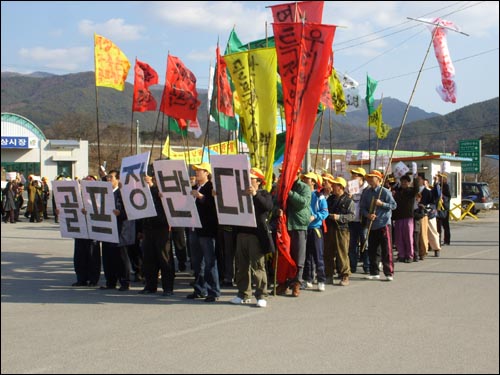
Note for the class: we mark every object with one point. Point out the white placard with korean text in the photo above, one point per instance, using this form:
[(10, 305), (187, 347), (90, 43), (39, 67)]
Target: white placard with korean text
[(68, 199), (231, 179), (173, 183), (353, 186), (136, 195), (99, 203)]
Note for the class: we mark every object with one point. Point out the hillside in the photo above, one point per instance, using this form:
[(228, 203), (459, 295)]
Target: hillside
[(48, 99)]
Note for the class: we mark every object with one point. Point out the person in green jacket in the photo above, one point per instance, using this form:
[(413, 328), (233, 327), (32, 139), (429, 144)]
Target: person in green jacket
[(298, 218)]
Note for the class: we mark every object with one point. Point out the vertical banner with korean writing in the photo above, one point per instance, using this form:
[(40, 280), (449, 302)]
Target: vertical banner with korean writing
[(254, 76), (135, 192), (99, 203), (175, 188), (68, 198), (231, 179)]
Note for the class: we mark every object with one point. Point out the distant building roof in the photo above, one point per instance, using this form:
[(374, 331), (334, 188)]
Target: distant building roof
[(12, 118)]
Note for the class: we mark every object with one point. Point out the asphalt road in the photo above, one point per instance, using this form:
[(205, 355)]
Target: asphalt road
[(440, 315)]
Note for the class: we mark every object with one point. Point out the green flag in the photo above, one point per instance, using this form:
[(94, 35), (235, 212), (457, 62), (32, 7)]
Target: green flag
[(371, 85), (174, 126)]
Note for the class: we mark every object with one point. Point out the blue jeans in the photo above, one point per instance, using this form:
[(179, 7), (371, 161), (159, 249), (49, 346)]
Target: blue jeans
[(204, 261)]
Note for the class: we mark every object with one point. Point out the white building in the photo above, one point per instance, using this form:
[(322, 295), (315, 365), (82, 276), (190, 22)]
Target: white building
[(26, 149)]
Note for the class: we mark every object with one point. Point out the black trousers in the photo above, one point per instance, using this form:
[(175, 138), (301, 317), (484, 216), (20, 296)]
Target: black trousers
[(87, 260), (116, 265)]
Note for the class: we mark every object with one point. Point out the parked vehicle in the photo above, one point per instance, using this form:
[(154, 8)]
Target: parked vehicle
[(479, 193)]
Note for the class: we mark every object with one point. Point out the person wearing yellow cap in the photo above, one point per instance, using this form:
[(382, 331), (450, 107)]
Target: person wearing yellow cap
[(202, 240), (341, 212), (376, 206), (315, 240), (357, 230), (252, 245)]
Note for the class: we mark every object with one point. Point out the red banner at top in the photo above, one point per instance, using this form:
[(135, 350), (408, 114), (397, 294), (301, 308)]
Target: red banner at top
[(224, 93), (300, 11), (145, 76), (180, 98)]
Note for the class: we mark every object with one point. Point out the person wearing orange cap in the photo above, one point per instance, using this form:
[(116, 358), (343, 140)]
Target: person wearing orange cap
[(341, 212), (376, 206), (252, 245), (357, 229), (315, 235)]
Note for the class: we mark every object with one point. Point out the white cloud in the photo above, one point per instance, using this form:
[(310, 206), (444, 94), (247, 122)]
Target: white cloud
[(114, 29), (215, 16), (67, 59)]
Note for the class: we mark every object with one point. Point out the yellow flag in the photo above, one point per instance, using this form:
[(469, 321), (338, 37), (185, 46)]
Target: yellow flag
[(254, 77), (375, 119), (111, 64)]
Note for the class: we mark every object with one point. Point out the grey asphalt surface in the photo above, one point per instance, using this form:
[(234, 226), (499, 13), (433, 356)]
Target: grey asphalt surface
[(440, 315)]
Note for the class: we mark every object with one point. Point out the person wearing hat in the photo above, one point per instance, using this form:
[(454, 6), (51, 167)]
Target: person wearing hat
[(357, 229), (202, 240), (315, 235), (341, 212), (298, 218), (252, 245), (376, 206), (404, 195)]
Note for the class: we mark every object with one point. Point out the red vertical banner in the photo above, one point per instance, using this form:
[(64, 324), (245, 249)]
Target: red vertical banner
[(304, 50), (180, 98)]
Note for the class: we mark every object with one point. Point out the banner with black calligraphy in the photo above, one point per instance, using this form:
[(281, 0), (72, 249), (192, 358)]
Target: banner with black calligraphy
[(175, 188), (136, 195), (231, 179), (99, 203), (68, 199)]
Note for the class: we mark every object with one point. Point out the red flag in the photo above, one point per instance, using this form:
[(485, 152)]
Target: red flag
[(307, 11), (224, 93), (304, 50), (145, 76), (180, 98)]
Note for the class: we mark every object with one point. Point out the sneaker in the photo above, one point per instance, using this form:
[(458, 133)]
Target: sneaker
[(372, 277), (307, 285), (240, 301), (261, 303), (389, 278), (123, 288), (436, 253), (344, 281), (296, 289), (321, 287), (211, 299)]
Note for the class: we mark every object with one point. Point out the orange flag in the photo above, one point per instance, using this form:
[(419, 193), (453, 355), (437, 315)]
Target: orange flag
[(111, 64), (180, 98), (145, 76)]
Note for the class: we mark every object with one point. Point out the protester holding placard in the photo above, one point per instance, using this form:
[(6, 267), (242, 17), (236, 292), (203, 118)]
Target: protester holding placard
[(202, 240), (252, 245), (115, 259), (157, 252)]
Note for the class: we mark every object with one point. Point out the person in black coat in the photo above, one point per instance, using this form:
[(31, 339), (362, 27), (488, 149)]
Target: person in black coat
[(252, 245)]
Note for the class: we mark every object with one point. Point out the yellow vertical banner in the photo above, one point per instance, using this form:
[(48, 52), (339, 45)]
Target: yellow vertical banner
[(254, 75)]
